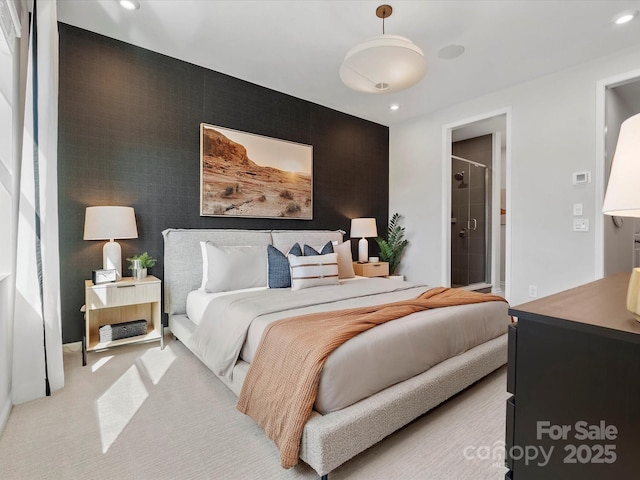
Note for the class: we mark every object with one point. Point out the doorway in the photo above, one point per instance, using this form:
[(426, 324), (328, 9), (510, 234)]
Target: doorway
[(618, 99), (476, 234)]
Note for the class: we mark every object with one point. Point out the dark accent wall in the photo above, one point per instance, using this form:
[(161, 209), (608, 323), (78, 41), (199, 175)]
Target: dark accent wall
[(129, 122)]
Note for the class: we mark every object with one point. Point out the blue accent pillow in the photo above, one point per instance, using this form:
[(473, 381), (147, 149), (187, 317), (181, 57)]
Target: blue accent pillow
[(294, 250), (310, 251), (278, 266)]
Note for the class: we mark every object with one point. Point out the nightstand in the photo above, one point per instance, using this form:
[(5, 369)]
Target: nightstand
[(371, 269), (126, 300)]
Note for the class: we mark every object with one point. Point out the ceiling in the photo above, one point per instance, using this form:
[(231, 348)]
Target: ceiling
[(297, 46)]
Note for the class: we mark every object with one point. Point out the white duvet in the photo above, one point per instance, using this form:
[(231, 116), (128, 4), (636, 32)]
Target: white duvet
[(230, 327)]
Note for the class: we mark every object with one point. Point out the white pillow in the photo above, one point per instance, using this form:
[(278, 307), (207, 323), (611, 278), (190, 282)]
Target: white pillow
[(313, 271), (233, 268), (345, 260)]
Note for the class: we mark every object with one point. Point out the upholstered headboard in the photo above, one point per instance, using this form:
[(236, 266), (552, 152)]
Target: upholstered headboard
[(183, 257)]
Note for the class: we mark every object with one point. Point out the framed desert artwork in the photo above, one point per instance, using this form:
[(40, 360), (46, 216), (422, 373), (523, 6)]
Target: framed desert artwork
[(247, 175)]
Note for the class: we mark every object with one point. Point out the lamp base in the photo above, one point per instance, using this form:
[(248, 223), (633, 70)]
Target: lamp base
[(363, 250), (112, 257), (633, 293)]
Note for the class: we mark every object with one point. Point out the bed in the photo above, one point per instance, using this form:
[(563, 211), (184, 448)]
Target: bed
[(349, 416)]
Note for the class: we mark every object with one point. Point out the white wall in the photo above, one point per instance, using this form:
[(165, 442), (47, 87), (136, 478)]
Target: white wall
[(552, 134)]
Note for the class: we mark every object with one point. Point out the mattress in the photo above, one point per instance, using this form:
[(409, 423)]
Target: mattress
[(366, 364)]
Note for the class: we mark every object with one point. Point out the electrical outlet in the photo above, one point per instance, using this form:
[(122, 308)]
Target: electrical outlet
[(580, 225), (533, 291)]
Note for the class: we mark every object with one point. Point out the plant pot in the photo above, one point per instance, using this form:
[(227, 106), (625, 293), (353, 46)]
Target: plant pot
[(137, 271)]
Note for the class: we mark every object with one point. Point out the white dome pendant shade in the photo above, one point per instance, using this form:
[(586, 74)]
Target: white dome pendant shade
[(383, 64)]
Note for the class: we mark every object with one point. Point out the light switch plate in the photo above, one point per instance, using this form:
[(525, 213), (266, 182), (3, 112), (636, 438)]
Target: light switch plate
[(577, 209)]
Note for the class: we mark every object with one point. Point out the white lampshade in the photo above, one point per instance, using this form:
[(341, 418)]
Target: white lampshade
[(623, 191), (362, 228), (383, 64), (109, 223)]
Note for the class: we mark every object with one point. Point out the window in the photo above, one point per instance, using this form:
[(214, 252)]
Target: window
[(6, 149)]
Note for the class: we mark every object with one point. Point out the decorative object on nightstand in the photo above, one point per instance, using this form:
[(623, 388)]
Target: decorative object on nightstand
[(392, 248), (139, 265), (110, 223), (623, 195), (362, 228), (104, 276), (127, 311)]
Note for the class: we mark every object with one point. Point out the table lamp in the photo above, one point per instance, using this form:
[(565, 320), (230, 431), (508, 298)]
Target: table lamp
[(623, 192), (110, 223), (362, 228)]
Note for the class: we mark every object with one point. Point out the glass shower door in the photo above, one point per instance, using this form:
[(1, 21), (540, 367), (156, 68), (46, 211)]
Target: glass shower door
[(468, 223)]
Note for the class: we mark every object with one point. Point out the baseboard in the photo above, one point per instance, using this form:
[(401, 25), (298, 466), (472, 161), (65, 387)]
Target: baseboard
[(4, 414)]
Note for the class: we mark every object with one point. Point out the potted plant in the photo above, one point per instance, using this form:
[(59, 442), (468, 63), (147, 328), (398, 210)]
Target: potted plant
[(140, 263), (393, 246)]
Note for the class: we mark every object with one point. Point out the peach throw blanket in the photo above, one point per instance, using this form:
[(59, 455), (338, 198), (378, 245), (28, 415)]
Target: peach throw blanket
[(282, 382)]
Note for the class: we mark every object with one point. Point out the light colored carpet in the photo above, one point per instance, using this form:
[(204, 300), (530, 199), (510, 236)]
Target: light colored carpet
[(137, 412)]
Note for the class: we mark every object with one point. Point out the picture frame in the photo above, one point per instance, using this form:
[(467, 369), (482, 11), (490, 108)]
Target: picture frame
[(249, 175)]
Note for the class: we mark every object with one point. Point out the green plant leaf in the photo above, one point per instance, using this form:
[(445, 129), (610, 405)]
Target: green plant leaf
[(392, 248), (146, 260)]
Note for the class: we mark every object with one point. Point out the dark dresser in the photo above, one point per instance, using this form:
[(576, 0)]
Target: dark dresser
[(574, 373)]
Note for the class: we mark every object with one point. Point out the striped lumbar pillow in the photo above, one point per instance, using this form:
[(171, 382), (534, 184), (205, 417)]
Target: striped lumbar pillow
[(313, 271)]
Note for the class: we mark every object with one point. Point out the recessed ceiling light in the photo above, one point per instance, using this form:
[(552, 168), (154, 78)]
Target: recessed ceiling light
[(625, 17), (129, 4), (394, 106), (450, 52)]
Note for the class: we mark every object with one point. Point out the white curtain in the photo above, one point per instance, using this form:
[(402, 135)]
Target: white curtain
[(37, 345)]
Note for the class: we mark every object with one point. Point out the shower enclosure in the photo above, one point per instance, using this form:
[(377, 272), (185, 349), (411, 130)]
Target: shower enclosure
[(470, 223)]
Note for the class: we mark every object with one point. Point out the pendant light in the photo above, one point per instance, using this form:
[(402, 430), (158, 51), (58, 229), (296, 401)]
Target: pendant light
[(383, 64)]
